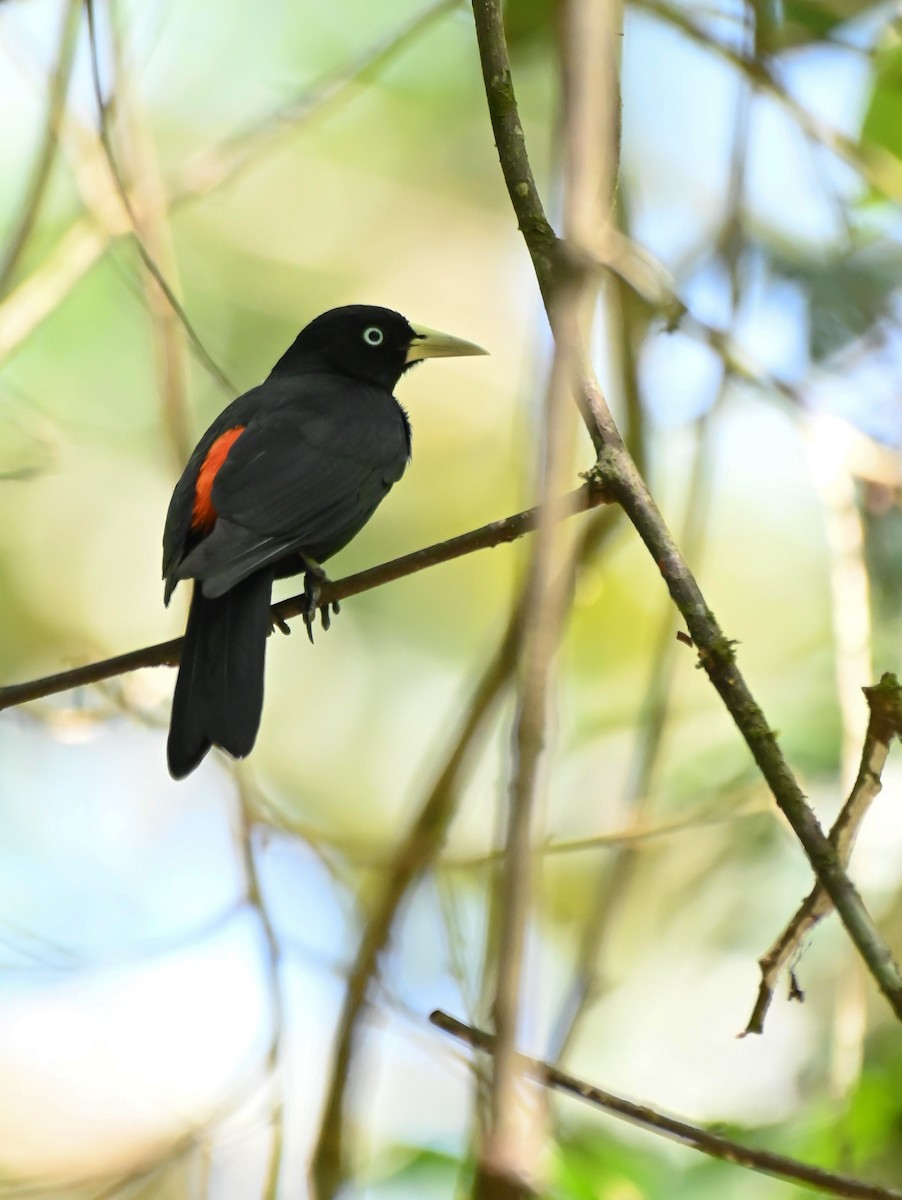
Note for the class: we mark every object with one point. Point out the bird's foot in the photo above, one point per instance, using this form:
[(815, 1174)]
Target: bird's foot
[(314, 578), (327, 612), (281, 624)]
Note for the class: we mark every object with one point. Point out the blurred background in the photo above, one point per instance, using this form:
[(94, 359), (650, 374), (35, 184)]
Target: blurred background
[(206, 984)]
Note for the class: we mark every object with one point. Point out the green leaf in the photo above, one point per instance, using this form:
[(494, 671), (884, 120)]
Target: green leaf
[(847, 294), (883, 120), (806, 21)]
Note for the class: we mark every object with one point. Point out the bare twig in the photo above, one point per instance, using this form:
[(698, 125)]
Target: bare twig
[(211, 169), (569, 285), (415, 854), (616, 473), (507, 1158), (40, 176), (203, 355), (878, 167), (244, 837), (830, 469), (167, 653), (693, 1136), (614, 884), (151, 215), (885, 705), (83, 244)]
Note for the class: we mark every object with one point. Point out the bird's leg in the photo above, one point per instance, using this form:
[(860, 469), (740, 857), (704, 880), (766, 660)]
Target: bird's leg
[(314, 578)]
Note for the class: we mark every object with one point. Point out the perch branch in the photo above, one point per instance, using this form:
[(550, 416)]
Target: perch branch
[(166, 654)]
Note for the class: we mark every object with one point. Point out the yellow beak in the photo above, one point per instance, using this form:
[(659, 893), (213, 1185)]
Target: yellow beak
[(429, 343)]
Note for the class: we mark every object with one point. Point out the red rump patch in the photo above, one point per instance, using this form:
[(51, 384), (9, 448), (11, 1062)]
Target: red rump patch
[(204, 514)]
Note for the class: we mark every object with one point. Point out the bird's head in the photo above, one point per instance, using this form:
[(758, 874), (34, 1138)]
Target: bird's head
[(369, 343)]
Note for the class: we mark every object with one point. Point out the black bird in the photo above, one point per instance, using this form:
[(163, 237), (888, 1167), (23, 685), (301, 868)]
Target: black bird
[(285, 476)]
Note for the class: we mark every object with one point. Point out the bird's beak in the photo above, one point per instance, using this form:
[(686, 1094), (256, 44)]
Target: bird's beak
[(429, 343)]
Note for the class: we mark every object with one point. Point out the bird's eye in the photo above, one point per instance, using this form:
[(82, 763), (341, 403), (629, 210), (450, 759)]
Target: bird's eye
[(373, 335)]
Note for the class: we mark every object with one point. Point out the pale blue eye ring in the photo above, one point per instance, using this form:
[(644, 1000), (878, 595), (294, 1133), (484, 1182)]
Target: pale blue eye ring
[(373, 335)]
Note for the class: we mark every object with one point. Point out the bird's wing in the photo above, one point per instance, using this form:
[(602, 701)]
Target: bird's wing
[(232, 553), (302, 474), (179, 534), (294, 482)]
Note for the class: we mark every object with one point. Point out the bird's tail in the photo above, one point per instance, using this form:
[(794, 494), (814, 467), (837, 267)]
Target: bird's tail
[(219, 691)]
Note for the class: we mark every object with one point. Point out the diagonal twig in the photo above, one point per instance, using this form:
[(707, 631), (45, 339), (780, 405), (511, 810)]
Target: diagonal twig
[(210, 169), (508, 1155), (717, 656), (694, 1136), (616, 474), (40, 177), (203, 355), (247, 852), (415, 854), (153, 228), (877, 166), (417, 851), (83, 244), (885, 723), (614, 884)]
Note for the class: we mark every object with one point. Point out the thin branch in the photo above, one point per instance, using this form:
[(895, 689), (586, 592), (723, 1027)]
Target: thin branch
[(211, 169), (40, 176), (167, 653), (203, 355), (616, 474), (693, 1136), (153, 229), (540, 238), (614, 885), (244, 837), (603, 841), (507, 1157), (876, 166), (83, 244), (885, 723), (415, 854)]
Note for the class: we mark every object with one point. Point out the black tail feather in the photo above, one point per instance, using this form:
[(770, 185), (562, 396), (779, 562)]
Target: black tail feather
[(219, 691)]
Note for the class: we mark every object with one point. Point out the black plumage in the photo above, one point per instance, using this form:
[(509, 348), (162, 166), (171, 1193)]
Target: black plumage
[(284, 477)]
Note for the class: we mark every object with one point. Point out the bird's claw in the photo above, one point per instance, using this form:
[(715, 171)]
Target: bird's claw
[(314, 578), (326, 613)]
